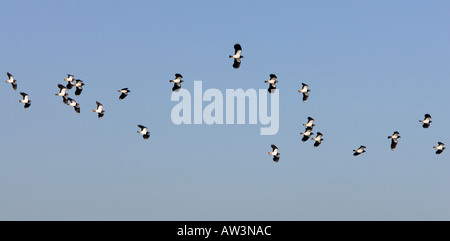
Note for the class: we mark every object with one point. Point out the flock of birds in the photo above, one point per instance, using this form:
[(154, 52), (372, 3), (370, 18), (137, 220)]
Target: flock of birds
[(318, 139), (78, 84), (63, 92)]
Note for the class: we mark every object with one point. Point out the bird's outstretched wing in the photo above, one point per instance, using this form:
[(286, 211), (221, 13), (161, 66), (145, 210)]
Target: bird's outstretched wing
[(78, 91), (393, 144), (237, 47), (176, 87), (122, 96), (236, 63)]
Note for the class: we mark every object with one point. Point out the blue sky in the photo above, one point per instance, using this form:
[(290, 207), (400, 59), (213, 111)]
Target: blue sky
[(373, 68)]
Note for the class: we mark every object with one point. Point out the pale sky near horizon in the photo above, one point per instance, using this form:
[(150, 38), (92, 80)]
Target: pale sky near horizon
[(373, 68)]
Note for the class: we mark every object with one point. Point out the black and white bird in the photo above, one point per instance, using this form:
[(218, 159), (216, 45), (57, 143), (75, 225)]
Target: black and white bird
[(79, 85), (304, 91), (11, 80), (359, 151), (237, 56), (272, 83), (394, 140), (439, 148), (177, 82), (427, 121), (62, 92), (318, 139), (70, 78), (124, 92), (74, 104), (307, 134), (310, 122), (144, 131), (99, 110), (25, 100), (275, 153)]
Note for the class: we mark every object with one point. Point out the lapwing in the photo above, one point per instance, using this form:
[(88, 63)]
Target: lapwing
[(177, 82), (79, 85), (310, 122), (74, 104), (11, 80), (62, 92), (144, 131), (275, 153), (99, 110), (25, 100), (237, 56), (304, 91), (427, 121), (307, 134), (318, 139), (359, 151), (124, 92), (439, 148), (272, 83), (70, 78), (394, 140)]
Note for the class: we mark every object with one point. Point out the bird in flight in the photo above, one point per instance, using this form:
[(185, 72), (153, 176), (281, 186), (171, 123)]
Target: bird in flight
[(177, 82), (74, 104), (62, 92), (394, 140), (79, 85), (439, 148), (70, 80), (124, 92), (310, 122), (237, 56), (318, 139), (11, 80), (25, 100), (304, 91), (427, 121), (307, 133), (99, 110), (359, 151), (272, 83), (275, 153), (144, 131)]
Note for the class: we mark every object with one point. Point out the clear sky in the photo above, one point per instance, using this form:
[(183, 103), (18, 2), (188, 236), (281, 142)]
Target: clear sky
[(373, 67)]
